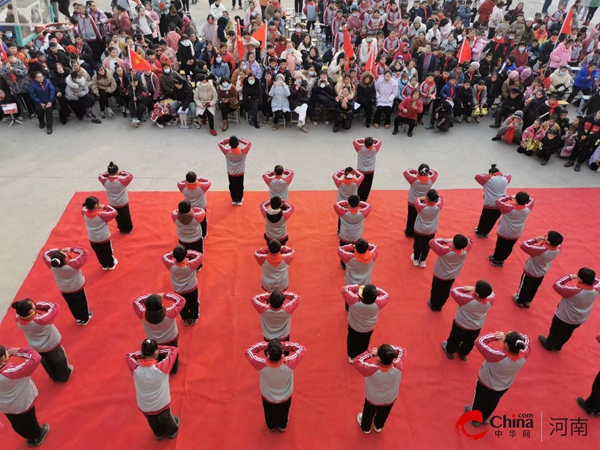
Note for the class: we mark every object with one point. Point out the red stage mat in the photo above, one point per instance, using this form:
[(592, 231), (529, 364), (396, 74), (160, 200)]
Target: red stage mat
[(216, 391)]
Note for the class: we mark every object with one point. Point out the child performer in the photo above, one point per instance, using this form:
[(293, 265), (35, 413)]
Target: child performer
[(542, 250), (274, 261), (96, 217), (364, 304), (194, 190), (183, 265), (275, 362), (347, 182), (421, 181), (159, 322), (70, 280), (474, 302), (452, 254), (382, 384), (352, 215), (275, 311), (236, 165), (358, 259), (188, 221), (366, 150), (494, 187), (115, 182), (279, 181), (276, 213), (18, 393), (591, 405), (428, 213), (36, 322), (150, 368), (515, 211), (499, 370), (573, 309)]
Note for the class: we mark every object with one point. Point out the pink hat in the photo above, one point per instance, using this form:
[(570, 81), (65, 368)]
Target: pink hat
[(513, 75), (526, 73)]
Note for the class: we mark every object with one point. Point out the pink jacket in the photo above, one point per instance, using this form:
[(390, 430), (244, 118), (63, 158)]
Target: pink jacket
[(536, 135), (560, 56)]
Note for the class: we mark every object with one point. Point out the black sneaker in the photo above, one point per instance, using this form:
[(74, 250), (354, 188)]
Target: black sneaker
[(177, 422), (462, 357), (544, 341), (84, 323), (569, 164), (96, 120), (577, 167), (40, 440), (42, 126), (478, 234), (49, 131), (494, 126), (581, 402), (395, 132), (30, 442), (495, 138), (159, 438)]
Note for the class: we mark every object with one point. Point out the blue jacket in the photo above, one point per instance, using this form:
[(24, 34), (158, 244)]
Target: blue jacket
[(465, 15), (445, 93), (42, 93), (581, 79)]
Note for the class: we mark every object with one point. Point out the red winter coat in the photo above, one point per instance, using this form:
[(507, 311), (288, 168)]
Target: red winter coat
[(412, 113)]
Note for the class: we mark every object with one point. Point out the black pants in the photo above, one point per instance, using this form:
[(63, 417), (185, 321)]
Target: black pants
[(277, 116), (236, 187), (276, 414), (310, 24), (63, 109), (387, 113), (44, 116), (328, 35), (136, 109), (225, 110), (342, 121), (298, 6), (528, 288), (365, 187), (162, 423), (204, 226), (411, 216), (368, 108), (435, 105), (461, 340), (164, 119), (56, 364), (173, 343), (593, 401), (411, 123), (487, 220), (440, 291), (186, 8), (486, 400), (425, 111), (421, 246), (582, 152), (560, 332), (590, 15), (376, 415), (104, 253), (103, 99), (576, 91), (191, 310), (233, 4), (208, 116), (63, 7), (197, 246), (26, 424), (503, 248), (357, 342), (78, 305), (123, 219)]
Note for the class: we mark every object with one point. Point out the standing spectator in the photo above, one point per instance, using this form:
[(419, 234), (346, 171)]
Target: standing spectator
[(42, 94)]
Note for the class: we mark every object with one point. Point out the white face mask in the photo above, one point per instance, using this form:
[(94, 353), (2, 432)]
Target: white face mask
[(167, 70), (521, 49), (563, 72), (225, 85), (243, 67), (369, 39), (311, 73), (251, 82), (219, 60)]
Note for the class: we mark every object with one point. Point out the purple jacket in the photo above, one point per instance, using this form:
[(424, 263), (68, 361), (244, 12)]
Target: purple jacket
[(386, 91)]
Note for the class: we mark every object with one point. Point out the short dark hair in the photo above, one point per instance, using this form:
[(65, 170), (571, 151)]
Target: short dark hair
[(587, 275), (522, 198), (276, 202), (274, 246), (460, 241), (274, 350), (234, 142), (184, 206), (555, 238), (361, 246), (191, 177), (179, 253), (353, 201), (386, 354), (483, 289), (276, 299), (369, 294), (278, 170)]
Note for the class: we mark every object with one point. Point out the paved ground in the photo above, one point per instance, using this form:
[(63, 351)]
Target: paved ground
[(39, 174)]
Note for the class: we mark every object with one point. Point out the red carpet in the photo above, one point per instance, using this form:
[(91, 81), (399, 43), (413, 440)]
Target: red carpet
[(216, 391)]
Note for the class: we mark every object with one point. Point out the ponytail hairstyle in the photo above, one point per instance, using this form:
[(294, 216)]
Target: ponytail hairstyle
[(23, 307), (91, 202), (276, 299), (423, 169), (58, 259), (386, 354), (369, 294), (348, 171), (515, 342), (274, 350), (191, 177), (278, 170), (155, 312), (493, 169), (112, 169), (149, 348)]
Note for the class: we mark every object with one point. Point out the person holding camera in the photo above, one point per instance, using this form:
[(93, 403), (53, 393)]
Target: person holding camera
[(183, 266), (382, 384), (276, 362), (276, 213), (275, 311), (150, 368)]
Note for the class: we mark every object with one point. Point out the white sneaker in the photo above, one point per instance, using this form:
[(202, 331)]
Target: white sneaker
[(422, 264), (234, 203), (359, 420), (350, 360), (115, 265), (377, 430), (415, 261), (159, 125), (109, 111)]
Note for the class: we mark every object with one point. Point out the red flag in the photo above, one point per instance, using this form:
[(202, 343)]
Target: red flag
[(464, 54), (3, 53), (370, 65), (137, 62), (261, 35), (567, 26), (348, 50), (240, 43)]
